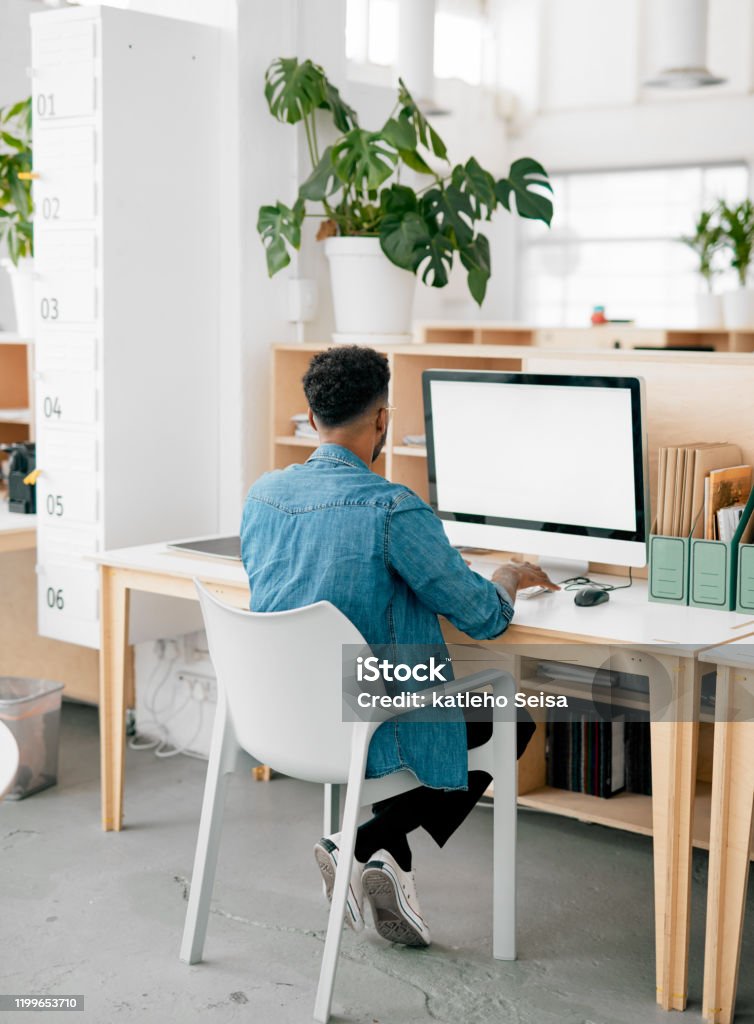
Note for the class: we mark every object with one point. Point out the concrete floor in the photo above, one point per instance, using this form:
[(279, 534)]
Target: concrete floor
[(101, 915)]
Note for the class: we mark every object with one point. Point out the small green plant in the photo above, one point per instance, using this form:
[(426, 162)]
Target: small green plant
[(357, 181), (706, 242), (15, 184), (737, 227)]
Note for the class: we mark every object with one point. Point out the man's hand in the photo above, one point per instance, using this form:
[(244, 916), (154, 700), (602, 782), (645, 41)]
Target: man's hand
[(521, 575)]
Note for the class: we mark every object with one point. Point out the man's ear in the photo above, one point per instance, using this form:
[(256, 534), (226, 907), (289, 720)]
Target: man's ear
[(312, 424)]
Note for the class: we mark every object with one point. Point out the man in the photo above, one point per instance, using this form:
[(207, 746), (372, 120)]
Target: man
[(333, 530)]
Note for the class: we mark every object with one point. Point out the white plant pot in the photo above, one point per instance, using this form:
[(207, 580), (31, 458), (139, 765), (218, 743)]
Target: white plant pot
[(709, 310), (372, 297), (22, 285), (738, 306)]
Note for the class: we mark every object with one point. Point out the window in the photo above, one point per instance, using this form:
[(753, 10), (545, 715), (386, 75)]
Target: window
[(464, 41), (614, 242)]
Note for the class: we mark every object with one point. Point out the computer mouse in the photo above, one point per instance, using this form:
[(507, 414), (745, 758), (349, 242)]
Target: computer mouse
[(590, 596)]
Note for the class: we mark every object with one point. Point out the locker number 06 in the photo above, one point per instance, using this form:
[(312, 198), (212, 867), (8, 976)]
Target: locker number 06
[(55, 598)]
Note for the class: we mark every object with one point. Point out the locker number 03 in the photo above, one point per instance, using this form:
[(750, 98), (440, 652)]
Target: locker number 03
[(49, 309)]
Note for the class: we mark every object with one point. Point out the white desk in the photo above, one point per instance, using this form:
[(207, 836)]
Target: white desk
[(670, 638), (730, 825), (673, 635)]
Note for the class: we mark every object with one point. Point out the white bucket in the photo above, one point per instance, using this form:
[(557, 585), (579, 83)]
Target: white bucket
[(738, 306), (372, 297), (22, 284), (709, 310)]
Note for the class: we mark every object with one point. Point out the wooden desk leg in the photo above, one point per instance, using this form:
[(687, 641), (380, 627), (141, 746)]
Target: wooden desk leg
[(730, 836), (674, 755), (112, 695)]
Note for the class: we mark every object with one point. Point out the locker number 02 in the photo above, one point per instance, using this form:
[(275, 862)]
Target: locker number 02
[(55, 598), (51, 208)]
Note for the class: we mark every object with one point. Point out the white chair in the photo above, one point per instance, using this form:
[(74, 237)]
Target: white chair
[(279, 683), (8, 759)]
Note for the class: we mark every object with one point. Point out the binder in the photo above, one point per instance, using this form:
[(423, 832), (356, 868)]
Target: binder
[(668, 569), (714, 568)]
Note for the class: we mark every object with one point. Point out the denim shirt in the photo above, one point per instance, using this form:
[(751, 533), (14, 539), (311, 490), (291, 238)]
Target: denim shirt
[(332, 530)]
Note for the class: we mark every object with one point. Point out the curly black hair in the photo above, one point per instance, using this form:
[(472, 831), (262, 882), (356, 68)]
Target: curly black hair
[(344, 382)]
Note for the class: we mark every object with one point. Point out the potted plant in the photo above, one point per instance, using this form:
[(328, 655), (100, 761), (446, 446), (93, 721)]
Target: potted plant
[(16, 208), (706, 243), (392, 205), (737, 225)]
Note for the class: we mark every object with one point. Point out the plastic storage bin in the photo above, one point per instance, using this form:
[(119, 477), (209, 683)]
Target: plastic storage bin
[(31, 710)]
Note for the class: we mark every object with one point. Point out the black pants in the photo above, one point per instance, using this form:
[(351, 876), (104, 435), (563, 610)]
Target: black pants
[(441, 811)]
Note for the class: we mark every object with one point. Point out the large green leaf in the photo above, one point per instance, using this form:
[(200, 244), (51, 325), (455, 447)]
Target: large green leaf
[(294, 90), (478, 185), (323, 180), (343, 115), (364, 159), (476, 258), (411, 239), (400, 132), (280, 227), (452, 210), (424, 130), (526, 180)]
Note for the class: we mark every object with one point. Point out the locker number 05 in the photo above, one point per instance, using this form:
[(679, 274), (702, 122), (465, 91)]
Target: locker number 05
[(54, 504)]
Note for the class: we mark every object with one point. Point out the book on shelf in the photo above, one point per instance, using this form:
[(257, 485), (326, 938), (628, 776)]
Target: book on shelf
[(727, 487), (728, 520), (599, 758)]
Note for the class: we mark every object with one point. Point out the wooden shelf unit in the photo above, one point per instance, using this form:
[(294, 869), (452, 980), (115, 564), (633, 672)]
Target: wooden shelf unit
[(16, 417), (603, 336), (703, 395)]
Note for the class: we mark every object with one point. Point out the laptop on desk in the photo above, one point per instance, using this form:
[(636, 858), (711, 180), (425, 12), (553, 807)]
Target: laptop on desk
[(217, 547)]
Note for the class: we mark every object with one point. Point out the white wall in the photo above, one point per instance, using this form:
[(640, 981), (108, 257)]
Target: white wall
[(15, 57)]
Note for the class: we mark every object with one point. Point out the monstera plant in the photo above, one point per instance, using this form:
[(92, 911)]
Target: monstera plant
[(360, 184)]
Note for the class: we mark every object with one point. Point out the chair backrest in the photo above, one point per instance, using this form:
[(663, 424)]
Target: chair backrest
[(282, 676), (8, 759)]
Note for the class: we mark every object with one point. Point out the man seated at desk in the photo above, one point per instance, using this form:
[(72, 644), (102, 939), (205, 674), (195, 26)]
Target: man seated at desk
[(333, 530)]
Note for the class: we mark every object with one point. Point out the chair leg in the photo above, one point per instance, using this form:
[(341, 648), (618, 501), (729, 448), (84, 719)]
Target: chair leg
[(331, 951), (223, 758), (332, 809), (504, 842)]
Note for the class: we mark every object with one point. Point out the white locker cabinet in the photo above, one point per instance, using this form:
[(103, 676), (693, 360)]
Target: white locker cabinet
[(127, 187)]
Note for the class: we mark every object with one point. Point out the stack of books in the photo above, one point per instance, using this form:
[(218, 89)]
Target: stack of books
[(302, 427), (598, 758)]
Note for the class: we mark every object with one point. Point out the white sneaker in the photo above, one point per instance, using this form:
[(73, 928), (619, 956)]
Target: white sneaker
[(326, 852), (391, 892)]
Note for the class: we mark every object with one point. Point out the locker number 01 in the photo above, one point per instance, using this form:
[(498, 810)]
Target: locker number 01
[(46, 104)]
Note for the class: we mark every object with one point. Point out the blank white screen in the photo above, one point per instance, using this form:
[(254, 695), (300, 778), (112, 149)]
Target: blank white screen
[(556, 454)]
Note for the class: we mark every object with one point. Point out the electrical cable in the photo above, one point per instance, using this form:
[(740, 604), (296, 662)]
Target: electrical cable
[(579, 582)]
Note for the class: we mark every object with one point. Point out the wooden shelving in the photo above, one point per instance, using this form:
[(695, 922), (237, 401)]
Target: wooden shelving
[(684, 390), (16, 416)]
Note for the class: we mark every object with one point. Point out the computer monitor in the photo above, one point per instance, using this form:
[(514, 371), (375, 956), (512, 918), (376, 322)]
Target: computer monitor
[(546, 464)]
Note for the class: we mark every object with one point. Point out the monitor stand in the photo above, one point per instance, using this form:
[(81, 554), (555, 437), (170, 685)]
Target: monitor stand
[(563, 568)]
